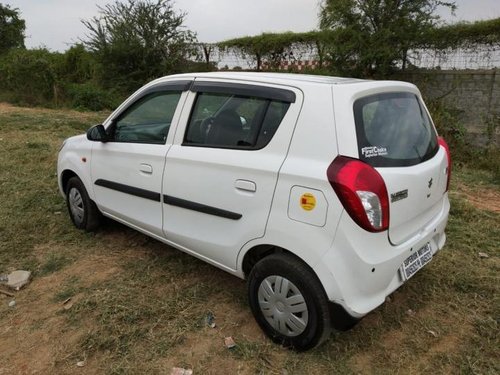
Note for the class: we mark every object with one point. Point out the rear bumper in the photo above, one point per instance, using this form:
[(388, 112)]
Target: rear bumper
[(361, 269)]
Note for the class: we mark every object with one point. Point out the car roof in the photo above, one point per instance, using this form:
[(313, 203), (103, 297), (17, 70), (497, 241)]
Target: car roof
[(287, 79), (267, 77)]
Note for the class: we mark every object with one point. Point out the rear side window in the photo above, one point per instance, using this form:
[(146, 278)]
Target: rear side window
[(393, 130), (225, 120)]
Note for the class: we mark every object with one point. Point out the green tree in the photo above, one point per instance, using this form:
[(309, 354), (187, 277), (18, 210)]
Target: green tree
[(11, 29), (371, 37), (137, 41)]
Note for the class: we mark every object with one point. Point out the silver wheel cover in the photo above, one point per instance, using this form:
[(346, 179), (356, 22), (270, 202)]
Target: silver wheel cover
[(76, 205), (283, 305)]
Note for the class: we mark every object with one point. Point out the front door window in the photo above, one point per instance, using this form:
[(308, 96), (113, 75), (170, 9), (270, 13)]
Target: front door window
[(147, 120)]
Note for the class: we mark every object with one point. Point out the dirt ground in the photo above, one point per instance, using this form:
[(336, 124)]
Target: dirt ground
[(37, 339), (481, 198)]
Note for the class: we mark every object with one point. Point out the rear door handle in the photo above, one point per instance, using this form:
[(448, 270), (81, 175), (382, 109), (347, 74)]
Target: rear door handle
[(245, 185), (146, 168)]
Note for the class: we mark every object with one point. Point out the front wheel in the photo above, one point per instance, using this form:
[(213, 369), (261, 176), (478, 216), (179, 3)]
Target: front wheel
[(288, 302), (82, 210)]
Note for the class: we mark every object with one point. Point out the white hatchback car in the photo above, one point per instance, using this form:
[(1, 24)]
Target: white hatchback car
[(327, 194)]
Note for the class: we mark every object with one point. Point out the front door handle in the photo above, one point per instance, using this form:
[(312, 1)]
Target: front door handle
[(146, 168), (245, 185)]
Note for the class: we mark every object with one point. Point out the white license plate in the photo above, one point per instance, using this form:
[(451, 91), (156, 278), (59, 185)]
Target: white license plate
[(416, 261)]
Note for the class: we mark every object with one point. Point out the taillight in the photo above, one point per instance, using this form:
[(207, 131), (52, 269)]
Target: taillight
[(361, 191), (443, 144)]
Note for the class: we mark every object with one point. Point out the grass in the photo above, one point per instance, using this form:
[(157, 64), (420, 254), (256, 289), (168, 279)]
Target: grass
[(139, 306), (53, 263)]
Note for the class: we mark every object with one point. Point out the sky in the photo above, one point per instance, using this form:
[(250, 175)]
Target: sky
[(56, 24)]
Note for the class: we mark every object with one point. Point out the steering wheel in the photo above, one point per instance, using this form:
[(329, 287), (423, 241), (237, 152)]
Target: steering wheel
[(205, 127)]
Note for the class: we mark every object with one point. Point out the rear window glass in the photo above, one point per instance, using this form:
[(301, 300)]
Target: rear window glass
[(393, 130)]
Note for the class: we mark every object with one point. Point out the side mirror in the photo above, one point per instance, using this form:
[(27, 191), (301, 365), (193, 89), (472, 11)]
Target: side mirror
[(97, 133)]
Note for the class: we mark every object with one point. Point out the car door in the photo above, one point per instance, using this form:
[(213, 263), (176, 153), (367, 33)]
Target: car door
[(222, 170), (127, 170)]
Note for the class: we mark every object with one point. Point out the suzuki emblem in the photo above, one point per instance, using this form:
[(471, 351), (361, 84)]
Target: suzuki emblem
[(430, 183)]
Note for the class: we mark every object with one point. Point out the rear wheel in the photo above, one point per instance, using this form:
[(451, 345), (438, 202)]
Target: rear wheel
[(288, 302), (82, 210)]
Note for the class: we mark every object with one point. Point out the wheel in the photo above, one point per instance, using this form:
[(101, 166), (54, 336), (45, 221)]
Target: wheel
[(288, 302), (82, 210)]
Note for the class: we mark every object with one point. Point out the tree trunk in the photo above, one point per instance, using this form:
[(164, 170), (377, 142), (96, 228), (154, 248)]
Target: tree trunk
[(405, 56), (207, 51)]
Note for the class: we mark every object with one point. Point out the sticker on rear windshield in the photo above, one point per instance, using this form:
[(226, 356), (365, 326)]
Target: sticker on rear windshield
[(371, 151)]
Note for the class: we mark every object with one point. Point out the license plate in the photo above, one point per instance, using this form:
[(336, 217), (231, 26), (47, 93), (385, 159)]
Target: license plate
[(416, 261)]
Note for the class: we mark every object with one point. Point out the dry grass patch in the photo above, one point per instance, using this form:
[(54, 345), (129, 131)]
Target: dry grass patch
[(139, 306)]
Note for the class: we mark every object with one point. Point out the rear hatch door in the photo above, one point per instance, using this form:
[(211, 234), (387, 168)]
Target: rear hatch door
[(396, 136), (386, 125)]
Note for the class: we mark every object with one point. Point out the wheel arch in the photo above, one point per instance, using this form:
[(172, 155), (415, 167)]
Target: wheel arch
[(258, 252), (69, 170), (65, 177)]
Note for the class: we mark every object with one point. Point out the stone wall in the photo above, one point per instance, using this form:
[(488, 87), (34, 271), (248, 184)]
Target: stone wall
[(475, 93)]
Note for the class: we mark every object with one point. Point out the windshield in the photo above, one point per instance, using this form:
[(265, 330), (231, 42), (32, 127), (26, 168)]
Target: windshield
[(393, 130)]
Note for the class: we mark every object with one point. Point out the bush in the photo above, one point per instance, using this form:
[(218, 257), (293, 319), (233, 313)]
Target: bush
[(447, 121), (78, 65), (88, 96), (40, 77), (196, 66), (29, 76)]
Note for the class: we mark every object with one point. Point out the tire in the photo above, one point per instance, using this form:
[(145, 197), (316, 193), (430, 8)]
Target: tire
[(288, 302), (82, 210)]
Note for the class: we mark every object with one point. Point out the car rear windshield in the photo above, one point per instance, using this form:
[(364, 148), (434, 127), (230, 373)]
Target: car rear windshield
[(393, 130)]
